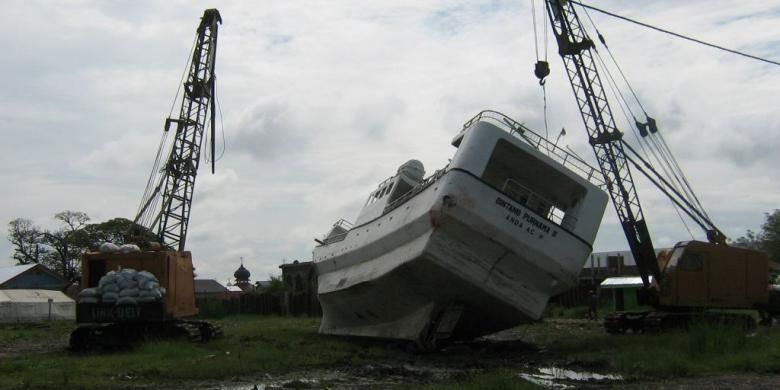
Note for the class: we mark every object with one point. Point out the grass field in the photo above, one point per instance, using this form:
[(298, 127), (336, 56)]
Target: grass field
[(704, 350), (252, 345), (255, 348)]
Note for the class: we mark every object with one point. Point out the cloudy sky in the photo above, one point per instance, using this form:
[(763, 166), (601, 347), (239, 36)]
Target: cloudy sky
[(322, 100)]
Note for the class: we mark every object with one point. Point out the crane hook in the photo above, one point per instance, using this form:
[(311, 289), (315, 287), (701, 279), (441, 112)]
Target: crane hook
[(541, 70)]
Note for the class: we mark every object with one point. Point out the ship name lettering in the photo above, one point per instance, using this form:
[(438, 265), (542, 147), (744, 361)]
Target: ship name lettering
[(533, 221), (508, 207), (525, 217)]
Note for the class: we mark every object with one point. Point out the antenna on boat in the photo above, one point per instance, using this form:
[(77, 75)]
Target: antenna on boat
[(561, 134)]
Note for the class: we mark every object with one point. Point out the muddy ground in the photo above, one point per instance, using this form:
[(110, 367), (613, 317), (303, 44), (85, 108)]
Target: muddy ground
[(520, 351)]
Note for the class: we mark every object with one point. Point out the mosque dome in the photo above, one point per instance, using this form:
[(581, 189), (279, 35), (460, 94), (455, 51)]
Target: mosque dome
[(242, 274)]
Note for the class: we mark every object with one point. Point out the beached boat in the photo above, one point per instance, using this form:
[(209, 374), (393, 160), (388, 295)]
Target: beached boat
[(477, 247)]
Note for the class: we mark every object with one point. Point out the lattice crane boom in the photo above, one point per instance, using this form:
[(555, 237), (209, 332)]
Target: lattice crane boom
[(575, 47), (174, 178)]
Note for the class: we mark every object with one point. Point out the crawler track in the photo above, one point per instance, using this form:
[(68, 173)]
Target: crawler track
[(128, 334), (659, 321)]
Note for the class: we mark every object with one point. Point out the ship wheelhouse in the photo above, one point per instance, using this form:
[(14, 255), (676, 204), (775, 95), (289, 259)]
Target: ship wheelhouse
[(555, 184)]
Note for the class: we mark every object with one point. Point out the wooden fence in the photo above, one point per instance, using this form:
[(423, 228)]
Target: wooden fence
[(262, 304), (300, 304)]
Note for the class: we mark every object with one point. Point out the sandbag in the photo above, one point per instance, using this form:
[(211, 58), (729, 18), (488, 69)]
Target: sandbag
[(141, 280), (125, 284), (150, 285), (88, 292), (109, 297), (146, 275), (107, 279), (123, 287), (130, 292), (108, 247), (155, 294), (126, 301), (129, 248)]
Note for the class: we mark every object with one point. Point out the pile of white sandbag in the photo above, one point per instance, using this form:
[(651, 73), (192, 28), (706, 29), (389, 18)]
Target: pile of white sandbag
[(124, 287), (109, 247)]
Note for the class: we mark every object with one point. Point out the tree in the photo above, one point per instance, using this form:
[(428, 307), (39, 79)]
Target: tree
[(275, 286), (67, 243), (770, 231), (768, 239), (112, 230), (116, 231), (61, 249), (27, 241), (751, 240)]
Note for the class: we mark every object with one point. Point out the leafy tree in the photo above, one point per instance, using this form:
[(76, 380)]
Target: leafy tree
[(275, 286), (27, 241), (67, 243), (116, 231), (61, 249), (771, 234), (751, 240), (768, 239)]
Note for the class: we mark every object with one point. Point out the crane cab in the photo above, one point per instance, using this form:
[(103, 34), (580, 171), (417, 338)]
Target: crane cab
[(173, 269), (704, 275)]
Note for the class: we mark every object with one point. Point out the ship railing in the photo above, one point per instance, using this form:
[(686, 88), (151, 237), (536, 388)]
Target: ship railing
[(550, 149), (416, 190), (335, 238), (346, 226), (341, 225)]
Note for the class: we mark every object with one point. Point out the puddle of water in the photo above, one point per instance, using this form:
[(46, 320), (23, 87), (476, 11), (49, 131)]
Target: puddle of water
[(557, 378), (278, 385), (560, 373), (317, 380), (370, 377), (548, 383)]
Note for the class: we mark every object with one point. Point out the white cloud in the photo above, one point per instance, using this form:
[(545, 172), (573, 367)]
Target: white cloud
[(322, 101)]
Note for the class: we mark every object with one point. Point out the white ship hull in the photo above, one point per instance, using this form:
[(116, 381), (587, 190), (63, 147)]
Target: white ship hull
[(455, 259)]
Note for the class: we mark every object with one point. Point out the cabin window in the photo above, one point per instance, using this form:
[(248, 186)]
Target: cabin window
[(692, 262), (556, 215), (371, 199), (523, 195), (533, 182), (533, 201), (674, 260), (400, 190)]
